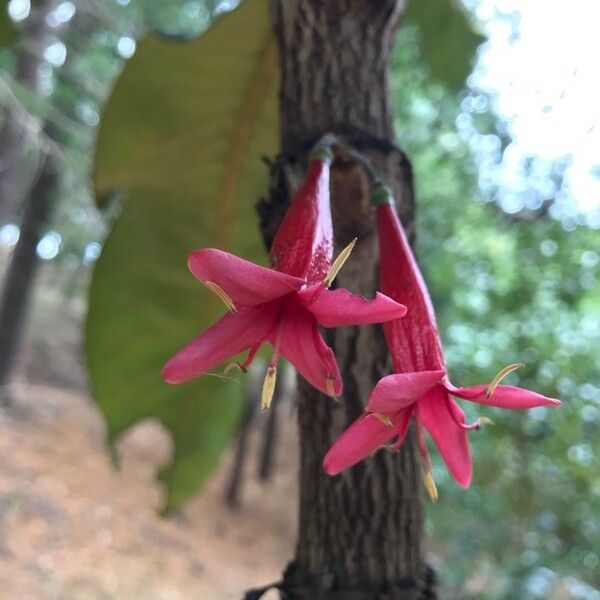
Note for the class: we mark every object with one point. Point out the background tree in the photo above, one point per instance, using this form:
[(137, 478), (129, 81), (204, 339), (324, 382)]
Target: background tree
[(359, 533), (32, 152)]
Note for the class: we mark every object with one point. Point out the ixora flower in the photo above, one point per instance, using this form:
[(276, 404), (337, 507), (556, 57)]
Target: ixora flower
[(420, 387), (284, 304)]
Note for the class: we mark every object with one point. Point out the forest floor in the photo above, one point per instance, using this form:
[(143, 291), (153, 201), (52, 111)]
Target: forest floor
[(74, 528)]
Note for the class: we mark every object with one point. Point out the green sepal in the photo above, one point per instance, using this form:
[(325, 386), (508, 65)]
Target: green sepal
[(382, 195)]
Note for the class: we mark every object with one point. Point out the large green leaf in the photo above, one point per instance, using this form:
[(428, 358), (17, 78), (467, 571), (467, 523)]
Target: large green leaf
[(448, 40), (183, 134)]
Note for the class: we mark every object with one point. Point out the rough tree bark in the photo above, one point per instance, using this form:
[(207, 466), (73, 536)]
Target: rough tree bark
[(18, 282), (360, 533), (16, 133), (37, 204), (24, 192)]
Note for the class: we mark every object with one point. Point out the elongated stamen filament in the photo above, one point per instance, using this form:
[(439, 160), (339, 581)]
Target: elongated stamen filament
[(243, 366), (380, 417), (495, 382), (268, 388), (221, 293), (477, 424), (428, 480), (338, 263), (231, 366), (391, 448), (251, 354)]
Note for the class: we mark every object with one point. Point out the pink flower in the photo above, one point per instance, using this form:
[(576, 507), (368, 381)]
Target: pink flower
[(283, 305), (420, 387)]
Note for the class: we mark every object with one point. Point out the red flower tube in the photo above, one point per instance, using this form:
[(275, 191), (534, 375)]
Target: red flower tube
[(285, 304), (420, 387)]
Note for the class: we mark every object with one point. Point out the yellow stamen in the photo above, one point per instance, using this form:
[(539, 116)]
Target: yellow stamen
[(430, 486), (268, 388), (221, 293), (495, 382), (329, 386), (231, 366), (484, 421), (338, 263), (381, 417)]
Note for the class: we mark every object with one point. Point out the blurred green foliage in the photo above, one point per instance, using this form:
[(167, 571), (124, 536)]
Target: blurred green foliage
[(507, 289), (447, 39)]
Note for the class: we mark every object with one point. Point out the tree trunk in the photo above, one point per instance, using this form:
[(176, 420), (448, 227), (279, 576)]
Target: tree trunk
[(38, 197), (19, 278), (23, 191), (18, 131), (360, 533)]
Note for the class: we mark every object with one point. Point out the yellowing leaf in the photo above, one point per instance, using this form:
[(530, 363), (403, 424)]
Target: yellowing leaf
[(183, 135)]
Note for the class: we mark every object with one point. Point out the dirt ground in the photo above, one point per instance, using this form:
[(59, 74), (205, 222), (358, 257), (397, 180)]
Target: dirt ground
[(73, 528)]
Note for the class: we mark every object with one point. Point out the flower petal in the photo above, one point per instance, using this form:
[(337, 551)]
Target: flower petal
[(335, 308), (303, 244), (301, 343), (245, 282), (401, 389), (414, 341), (361, 439), (450, 439), (504, 396), (228, 336)]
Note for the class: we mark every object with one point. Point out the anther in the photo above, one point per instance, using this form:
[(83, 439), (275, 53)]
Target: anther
[(381, 418), (429, 484), (501, 375), (484, 421), (268, 388), (221, 293), (338, 263)]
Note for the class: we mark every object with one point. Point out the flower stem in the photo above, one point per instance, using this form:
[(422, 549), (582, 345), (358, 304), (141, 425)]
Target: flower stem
[(323, 149)]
